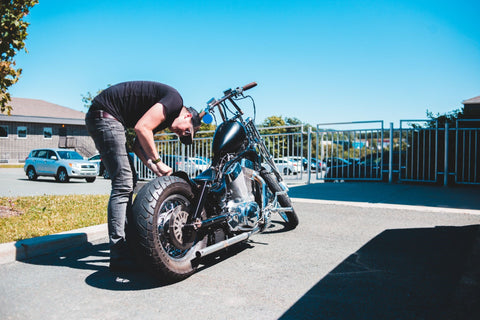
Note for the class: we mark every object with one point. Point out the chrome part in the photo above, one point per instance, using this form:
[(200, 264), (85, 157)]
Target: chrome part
[(164, 220), (223, 244)]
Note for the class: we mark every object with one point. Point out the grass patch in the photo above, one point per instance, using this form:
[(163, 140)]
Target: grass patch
[(6, 165), (28, 217)]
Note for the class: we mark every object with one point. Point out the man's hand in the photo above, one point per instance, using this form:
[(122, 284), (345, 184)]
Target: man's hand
[(160, 168)]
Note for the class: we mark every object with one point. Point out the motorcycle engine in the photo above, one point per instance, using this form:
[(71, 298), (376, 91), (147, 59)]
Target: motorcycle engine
[(244, 211)]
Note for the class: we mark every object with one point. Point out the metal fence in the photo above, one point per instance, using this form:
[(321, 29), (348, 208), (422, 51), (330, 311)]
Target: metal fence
[(467, 158), (418, 151), (350, 153), (284, 142)]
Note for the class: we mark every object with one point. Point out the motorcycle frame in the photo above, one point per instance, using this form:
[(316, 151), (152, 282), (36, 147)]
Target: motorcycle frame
[(195, 221)]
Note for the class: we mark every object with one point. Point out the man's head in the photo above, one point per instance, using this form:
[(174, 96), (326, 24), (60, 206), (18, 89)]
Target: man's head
[(186, 124)]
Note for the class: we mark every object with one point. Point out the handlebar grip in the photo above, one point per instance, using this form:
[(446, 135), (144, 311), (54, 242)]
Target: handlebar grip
[(249, 86)]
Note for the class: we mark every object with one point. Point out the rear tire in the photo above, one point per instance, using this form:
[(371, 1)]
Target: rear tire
[(152, 215), (31, 173), (290, 218)]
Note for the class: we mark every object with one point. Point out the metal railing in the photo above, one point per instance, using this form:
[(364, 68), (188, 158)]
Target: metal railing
[(283, 142), (418, 157), (467, 157), (353, 153), (418, 151)]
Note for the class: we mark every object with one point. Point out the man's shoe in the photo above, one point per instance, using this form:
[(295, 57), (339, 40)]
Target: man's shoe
[(122, 264)]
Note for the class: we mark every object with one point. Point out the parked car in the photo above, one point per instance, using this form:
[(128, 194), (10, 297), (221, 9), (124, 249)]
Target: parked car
[(374, 166), (98, 162), (298, 162), (102, 171), (321, 165), (62, 164), (284, 166), (193, 166)]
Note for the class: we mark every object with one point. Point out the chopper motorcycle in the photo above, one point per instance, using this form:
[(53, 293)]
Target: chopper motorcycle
[(178, 220)]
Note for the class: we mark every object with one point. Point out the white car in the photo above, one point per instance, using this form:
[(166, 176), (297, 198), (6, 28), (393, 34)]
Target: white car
[(193, 166), (285, 166), (62, 164), (297, 162)]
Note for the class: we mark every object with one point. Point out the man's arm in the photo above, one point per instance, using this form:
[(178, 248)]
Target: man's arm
[(145, 148)]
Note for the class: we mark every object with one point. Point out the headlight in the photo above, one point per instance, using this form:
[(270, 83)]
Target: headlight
[(75, 165)]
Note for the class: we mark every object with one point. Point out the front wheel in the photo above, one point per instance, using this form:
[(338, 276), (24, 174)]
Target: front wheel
[(62, 175), (159, 211), (291, 217)]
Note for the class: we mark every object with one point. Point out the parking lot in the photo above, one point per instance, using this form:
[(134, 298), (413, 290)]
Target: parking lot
[(361, 251), (14, 182)]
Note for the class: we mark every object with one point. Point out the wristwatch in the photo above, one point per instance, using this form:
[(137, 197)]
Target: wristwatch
[(156, 160)]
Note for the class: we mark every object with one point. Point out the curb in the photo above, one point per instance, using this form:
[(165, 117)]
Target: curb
[(34, 247)]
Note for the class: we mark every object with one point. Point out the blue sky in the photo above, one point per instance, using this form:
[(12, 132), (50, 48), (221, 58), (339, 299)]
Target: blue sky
[(318, 61)]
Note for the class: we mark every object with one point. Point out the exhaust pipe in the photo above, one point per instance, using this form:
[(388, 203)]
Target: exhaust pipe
[(223, 244)]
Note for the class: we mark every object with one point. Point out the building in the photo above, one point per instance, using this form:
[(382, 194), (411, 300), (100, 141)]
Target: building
[(471, 107), (40, 124)]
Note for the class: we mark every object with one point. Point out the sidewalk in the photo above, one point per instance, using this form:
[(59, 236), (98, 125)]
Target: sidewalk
[(463, 199)]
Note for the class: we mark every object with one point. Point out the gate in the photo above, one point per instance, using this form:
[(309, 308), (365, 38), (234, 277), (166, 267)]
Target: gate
[(419, 146), (353, 153), (467, 158)]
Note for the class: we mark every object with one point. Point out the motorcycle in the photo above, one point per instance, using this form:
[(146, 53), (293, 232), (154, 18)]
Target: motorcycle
[(178, 220)]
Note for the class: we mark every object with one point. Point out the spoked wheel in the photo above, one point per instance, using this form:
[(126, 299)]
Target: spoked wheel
[(290, 217), (31, 173), (160, 210), (62, 175)]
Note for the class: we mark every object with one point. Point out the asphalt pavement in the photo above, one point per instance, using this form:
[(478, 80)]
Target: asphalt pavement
[(361, 251)]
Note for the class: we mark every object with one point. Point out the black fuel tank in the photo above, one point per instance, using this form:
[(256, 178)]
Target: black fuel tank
[(228, 138)]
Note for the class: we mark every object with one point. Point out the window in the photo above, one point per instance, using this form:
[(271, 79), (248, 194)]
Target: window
[(47, 133), (3, 131), (22, 132), (42, 154)]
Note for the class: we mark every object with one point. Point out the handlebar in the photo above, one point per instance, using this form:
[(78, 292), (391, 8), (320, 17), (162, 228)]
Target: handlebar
[(228, 94), (249, 86)]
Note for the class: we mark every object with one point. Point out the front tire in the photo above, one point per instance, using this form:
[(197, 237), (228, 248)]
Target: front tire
[(290, 218), (62, 175), (152, 213)]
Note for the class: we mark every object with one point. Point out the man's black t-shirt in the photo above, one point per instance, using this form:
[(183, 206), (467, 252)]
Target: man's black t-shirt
[(129, 101)]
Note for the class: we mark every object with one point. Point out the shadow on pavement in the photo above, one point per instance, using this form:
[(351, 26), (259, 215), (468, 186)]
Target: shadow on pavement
[(95, 257), (460, 197), (400, 274)]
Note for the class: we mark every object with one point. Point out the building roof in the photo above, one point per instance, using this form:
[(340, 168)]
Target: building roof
[(474, 100), (39, 111), (40, 108)]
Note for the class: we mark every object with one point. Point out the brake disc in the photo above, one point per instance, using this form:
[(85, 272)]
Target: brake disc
[(182, 238)]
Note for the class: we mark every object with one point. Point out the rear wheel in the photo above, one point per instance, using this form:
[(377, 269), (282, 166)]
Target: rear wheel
[(31, 173), (159, 212), (291, 217)]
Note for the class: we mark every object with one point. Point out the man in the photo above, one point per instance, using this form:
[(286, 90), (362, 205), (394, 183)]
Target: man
[(148, 107)]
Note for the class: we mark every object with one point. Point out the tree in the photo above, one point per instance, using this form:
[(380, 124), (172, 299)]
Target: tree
[(13, 32), (449, 117)]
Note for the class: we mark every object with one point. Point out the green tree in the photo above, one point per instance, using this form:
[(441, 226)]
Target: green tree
[(274, 121), (13, 32), (450, 117)]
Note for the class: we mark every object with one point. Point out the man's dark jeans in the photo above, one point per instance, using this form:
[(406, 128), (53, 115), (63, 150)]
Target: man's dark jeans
[(110, 140)]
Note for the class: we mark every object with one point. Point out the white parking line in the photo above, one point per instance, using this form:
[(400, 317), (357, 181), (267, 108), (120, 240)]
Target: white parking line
[(389, 206)]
